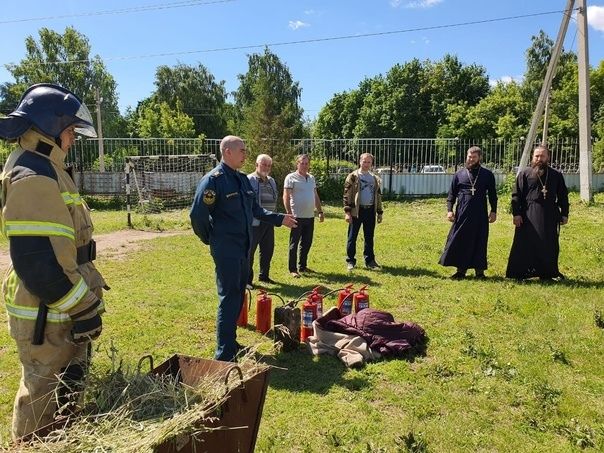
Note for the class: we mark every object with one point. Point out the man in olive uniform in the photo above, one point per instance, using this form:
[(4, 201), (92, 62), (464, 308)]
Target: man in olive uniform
[(52, 291), (223, 210)]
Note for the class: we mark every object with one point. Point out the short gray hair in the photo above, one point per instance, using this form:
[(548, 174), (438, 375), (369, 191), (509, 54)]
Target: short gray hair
[(262, 157)]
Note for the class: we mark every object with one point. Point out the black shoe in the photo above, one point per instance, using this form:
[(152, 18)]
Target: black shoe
[(267, 280), (480, 276), (241, 350), (306, 269), (372, 265), (458, 276)]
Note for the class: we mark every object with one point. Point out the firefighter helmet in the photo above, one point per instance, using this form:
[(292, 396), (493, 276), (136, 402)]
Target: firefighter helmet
[(50, 108)]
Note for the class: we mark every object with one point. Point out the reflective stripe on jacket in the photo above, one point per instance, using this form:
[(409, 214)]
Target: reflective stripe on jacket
[(45, 220)]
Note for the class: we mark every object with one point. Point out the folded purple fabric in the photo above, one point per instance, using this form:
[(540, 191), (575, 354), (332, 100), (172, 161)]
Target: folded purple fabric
[(378, 328)]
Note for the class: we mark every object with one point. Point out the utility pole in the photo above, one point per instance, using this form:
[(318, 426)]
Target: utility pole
[(99, 126), (585, 156), (547, 84), (546, 119)]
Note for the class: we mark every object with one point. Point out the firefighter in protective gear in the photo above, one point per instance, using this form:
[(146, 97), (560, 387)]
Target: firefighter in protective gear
[(52, 290)]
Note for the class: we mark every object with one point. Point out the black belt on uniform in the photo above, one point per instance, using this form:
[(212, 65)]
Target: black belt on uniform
[(366, 206), (87, 253)]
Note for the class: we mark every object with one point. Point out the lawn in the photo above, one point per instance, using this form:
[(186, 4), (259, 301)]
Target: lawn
[(509, 366)]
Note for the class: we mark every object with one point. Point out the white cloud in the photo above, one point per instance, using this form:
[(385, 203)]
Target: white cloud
[(595, 17), (309, 12), (505, 80), (296, 24), (418, 3), (395, 3)]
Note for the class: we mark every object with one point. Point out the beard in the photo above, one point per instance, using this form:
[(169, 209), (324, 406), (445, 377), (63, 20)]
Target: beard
[(472, 166), (538, 168)]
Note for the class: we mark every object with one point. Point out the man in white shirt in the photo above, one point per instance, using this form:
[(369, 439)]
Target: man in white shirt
[(300, 199)]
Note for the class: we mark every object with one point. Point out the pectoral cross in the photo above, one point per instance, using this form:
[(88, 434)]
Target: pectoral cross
[(544, 192), (473, 190)]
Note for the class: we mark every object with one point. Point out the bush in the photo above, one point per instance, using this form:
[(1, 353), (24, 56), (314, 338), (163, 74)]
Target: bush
[(105, 203), (330, 188)]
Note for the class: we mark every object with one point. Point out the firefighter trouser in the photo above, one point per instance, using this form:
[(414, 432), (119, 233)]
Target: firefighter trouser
[(231, 278), (51, 373)]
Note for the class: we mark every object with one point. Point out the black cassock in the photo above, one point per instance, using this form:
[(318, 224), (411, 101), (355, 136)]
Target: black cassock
[(466, 246), (535, 248)]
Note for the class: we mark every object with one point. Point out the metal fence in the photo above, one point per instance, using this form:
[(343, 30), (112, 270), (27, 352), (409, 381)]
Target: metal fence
[(399, 155), (396, 159)]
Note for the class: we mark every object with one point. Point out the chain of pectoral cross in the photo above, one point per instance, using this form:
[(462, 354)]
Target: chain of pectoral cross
[(544, 185), (473, 183)]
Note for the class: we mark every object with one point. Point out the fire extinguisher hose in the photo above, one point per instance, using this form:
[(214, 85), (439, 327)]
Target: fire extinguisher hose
[(275, 294)]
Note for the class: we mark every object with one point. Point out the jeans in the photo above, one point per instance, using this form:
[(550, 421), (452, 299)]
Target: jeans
[(366, 218), (302, 235)]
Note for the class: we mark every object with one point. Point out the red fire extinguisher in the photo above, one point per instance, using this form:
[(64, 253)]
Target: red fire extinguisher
[(345, 300), (317, 298), (245, 307), (361, 299), (309, 314), (264, 308)]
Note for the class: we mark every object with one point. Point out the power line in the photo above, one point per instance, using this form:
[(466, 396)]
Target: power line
[(134, 9), (315, 40)]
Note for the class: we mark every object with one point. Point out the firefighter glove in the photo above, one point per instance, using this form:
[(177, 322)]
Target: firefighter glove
[(87, 324)]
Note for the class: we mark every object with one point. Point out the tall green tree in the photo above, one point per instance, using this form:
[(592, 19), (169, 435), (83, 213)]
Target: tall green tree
[(504, 113), (537, 59), (159, 120), (411, 100), (268, 76), (201, 97), (64, 59), (268, 109)]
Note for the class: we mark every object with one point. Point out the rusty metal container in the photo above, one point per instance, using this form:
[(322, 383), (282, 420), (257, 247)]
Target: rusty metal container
[(240, 413), (235, 423)]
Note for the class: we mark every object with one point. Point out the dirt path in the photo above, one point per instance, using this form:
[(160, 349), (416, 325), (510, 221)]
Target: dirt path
[(115, 245)]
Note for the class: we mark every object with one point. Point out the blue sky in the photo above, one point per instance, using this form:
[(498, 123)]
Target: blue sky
[(322, 68)]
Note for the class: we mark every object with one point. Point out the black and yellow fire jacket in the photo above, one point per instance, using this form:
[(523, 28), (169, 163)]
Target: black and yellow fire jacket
[(49, 229)]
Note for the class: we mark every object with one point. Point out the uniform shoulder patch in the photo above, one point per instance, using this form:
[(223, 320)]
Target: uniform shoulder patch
[(216, 173), (31, 164), (209, 197)]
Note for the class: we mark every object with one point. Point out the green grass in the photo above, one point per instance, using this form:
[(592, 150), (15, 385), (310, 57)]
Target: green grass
[(509, 366)]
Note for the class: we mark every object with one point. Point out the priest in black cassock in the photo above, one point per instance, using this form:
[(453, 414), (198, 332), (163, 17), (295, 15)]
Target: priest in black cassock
[(539, 206), (466, 246)]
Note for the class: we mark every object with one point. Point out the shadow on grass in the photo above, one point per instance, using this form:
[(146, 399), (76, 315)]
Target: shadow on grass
[(300, 371), (403, 271), (306, 373), (311, 280), (568, 282)]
